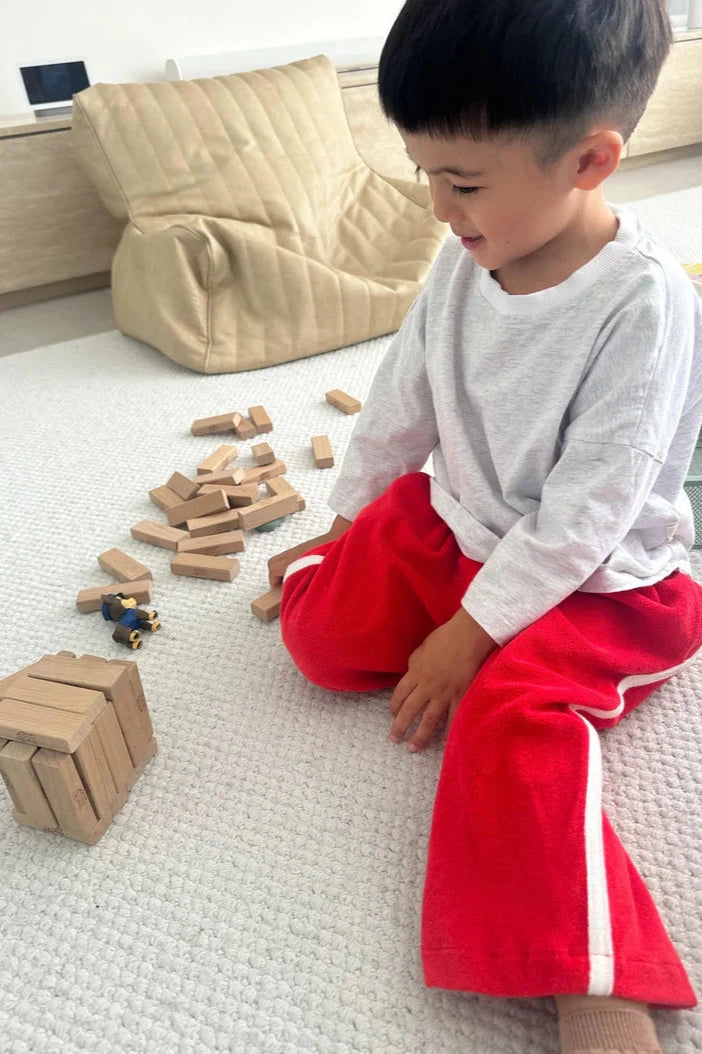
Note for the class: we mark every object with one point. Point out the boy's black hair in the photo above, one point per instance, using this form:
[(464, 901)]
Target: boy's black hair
[(480, 67)]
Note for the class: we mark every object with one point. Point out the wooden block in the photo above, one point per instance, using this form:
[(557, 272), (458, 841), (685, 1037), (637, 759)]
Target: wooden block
[(119, 683), (124, 567), (260, 419), (263, 454), (223, 521), (41, 726), (243, 427), (95, 775), (91, 599), (157, 534), (202, 506), (267, 607), (279, 486), (64, 788), (214, 544), (220, 568), (164, 497), (243, 495), (205, 426), (115, 749), (321, 448), (212, 425), (184, 487), (73, 698), (26, 791), (258, 475), (231, 477), (346, 403), (152, 751), (217, 461), (268, 509)]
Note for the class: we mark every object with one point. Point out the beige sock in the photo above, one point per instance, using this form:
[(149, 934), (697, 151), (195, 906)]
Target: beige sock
[(599, 1025)]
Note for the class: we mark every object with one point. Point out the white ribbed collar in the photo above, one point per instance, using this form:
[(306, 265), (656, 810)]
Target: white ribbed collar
[(557, 296)]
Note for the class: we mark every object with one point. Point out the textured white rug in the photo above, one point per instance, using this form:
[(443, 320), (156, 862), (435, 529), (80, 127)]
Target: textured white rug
[(261, 889)]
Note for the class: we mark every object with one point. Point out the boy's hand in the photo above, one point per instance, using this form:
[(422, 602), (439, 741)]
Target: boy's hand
[(438, 676)]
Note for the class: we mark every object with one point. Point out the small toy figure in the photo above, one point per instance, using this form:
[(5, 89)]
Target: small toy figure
[(130, 619)]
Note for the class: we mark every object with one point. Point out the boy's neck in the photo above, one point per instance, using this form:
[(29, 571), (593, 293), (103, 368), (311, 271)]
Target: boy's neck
[(590, 229)]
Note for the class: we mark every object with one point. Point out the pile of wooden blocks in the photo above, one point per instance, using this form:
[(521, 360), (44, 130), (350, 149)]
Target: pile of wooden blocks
[(75, 735), (208, 514)]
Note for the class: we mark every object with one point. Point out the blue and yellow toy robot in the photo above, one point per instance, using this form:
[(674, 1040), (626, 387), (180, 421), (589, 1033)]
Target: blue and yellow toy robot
[(116, 607)]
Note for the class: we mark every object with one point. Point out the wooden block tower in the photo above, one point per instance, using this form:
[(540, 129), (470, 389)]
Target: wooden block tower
[(75, 735)]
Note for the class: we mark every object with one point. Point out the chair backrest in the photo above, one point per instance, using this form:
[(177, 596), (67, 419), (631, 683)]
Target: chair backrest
[(272, 146)]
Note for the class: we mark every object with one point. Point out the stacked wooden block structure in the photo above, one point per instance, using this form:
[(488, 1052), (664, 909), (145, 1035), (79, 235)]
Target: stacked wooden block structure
[(75, 735)]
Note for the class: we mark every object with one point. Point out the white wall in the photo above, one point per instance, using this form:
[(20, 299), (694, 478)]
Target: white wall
[(130, 40)]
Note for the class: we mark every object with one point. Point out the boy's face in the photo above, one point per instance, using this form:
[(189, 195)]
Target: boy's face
[(505, 205)]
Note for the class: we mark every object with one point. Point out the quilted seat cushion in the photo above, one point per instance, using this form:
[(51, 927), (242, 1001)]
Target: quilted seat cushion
[(255, 232)]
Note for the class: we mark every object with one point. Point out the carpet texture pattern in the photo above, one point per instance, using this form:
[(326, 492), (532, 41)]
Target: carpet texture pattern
[(261, 889)]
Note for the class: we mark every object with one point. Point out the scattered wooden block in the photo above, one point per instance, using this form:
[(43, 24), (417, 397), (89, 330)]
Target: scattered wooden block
[(91, 599), (243, 427), (218, 568), (205, 426), (263, 454), (260, 419), (267, 607), (321, 448), (165, 498), (124, 567), (346, 403), (268, 509), (214, 544), (217, 461), (242, 495), (258, 475), (185, 488), (202, 506), (223, 521), (279, 485), (158, 534), (232, 477)]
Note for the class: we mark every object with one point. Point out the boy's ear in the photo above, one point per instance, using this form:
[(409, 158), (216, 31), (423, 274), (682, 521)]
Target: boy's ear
[(597, 157)]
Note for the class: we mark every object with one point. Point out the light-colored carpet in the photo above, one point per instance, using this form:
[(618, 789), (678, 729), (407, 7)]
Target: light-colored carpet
[(261, 889)]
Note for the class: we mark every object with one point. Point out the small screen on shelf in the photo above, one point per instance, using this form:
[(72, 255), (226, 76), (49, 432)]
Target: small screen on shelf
[(57, 82)]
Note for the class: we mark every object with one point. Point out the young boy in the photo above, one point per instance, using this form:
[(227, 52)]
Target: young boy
[(538, 587)]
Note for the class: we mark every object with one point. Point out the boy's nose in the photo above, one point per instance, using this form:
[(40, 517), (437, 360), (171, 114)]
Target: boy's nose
[(447, 210)]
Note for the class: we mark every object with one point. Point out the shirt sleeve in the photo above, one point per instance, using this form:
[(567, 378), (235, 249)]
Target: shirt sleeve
[(619, 428), (396, 430)]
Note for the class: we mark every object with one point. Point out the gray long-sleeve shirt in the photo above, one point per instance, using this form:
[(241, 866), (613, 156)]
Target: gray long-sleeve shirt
[(561, 423)]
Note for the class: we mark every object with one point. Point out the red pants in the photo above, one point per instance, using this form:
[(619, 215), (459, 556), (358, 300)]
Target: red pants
[(529, 891)]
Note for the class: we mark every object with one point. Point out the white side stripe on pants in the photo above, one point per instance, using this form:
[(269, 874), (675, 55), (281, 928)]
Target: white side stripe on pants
[(598, 911), (297, 565)]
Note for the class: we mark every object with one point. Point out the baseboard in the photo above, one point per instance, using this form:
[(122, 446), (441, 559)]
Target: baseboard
[(20, 297)]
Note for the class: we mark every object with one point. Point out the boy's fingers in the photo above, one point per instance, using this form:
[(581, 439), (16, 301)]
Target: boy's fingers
[(412, 706), (427, 725), (402, 689)]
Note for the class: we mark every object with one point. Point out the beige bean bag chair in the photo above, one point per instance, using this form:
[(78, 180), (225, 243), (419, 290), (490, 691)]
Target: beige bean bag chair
[(255, 233)]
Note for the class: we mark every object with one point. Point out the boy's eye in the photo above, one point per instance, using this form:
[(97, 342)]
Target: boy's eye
[(454, 189)]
